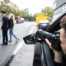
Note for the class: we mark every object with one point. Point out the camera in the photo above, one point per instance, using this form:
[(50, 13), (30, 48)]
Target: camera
[(54, 37)]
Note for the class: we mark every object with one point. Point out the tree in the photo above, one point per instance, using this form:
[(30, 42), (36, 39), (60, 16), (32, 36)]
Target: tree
[(23, 14), (48, 11), (15, 10), (26, 11), (6, 2), (4, 5)]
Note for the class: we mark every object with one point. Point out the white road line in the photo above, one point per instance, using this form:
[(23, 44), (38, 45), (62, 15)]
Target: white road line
[(22, 42), (18, 46), (31, 30)]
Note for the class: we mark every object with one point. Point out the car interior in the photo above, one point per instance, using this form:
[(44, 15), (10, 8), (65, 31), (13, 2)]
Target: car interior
[(48, 53)]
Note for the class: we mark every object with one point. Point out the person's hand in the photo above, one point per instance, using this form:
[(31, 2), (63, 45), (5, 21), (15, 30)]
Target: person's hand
[(0, 29), (57, 54)]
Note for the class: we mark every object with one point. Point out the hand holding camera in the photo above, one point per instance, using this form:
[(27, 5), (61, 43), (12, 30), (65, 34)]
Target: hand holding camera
[(54, 37), (57, 54), (54, 45)]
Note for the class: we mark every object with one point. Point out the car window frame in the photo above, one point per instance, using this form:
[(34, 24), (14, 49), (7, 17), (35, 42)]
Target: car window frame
[(48, 61)]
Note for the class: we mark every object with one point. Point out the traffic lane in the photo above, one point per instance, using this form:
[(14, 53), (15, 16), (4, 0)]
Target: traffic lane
[(25, 56)]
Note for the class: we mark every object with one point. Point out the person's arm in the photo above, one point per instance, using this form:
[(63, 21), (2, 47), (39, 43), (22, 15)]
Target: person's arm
[(57, 54), (10, 23), (3, 24)]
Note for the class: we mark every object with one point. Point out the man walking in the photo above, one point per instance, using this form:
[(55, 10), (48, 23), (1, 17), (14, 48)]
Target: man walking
[(4, 28)]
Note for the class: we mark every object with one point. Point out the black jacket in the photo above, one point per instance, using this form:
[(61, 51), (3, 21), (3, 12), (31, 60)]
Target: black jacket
[(4, 22), (59, 64), (10, 23)]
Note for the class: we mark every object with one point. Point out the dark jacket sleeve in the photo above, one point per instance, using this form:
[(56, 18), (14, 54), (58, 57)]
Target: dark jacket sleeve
[(10, 23), (3, 24), (57, 64)]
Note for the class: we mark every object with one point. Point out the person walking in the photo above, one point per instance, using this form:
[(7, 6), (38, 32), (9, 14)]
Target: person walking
[(11, 26), (4, 28)]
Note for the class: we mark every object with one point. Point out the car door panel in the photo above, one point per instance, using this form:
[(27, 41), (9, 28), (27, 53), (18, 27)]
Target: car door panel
[(37, 55), (47, 55)]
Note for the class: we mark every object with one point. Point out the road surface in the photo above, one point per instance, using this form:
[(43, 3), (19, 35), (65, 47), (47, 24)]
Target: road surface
[(25, 55)]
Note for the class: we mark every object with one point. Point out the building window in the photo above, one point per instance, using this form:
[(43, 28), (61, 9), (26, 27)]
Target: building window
[(55, 0), (64, 8), (54, 6), (58, 11)]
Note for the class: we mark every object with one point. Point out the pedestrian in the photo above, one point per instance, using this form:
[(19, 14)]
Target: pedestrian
[(4, 28), (11, 26)]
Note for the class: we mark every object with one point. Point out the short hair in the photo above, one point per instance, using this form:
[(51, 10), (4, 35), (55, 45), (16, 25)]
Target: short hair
[(3, 12), (63, 23)]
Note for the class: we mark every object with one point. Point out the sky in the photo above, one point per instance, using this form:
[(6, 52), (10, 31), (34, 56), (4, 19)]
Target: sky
[(34, 6)]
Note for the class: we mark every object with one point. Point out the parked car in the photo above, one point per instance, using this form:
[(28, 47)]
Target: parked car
[(43, 24), (43, 55), (21, 20), (17, 19)]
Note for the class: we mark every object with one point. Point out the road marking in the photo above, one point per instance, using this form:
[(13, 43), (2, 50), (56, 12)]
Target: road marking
[(19, 46), (22, 42), (31, 30)]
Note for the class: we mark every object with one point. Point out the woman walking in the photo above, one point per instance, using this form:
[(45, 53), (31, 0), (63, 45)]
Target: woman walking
[(11, 26)]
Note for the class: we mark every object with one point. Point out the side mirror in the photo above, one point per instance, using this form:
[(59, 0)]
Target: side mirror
[(30, 39)]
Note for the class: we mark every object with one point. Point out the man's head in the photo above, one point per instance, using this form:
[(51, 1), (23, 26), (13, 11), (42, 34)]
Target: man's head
[(3, 12), (63, 34)]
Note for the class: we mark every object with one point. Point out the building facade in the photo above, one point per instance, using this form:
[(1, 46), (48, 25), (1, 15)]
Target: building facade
[(59, 6), (10, 3)]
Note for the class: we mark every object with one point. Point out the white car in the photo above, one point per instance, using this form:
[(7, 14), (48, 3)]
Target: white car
[(21, 20)]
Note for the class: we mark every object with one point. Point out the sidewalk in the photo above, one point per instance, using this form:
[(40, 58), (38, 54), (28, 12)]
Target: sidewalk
[(7, 52)]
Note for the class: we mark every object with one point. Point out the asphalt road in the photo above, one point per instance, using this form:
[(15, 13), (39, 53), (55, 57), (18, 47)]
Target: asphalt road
[(24, 57)]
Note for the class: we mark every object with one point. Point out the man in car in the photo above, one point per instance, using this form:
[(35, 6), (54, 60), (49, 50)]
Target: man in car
[(58, 55)]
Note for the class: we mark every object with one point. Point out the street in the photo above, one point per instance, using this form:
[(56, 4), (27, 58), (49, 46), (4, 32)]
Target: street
[(23, 53)]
